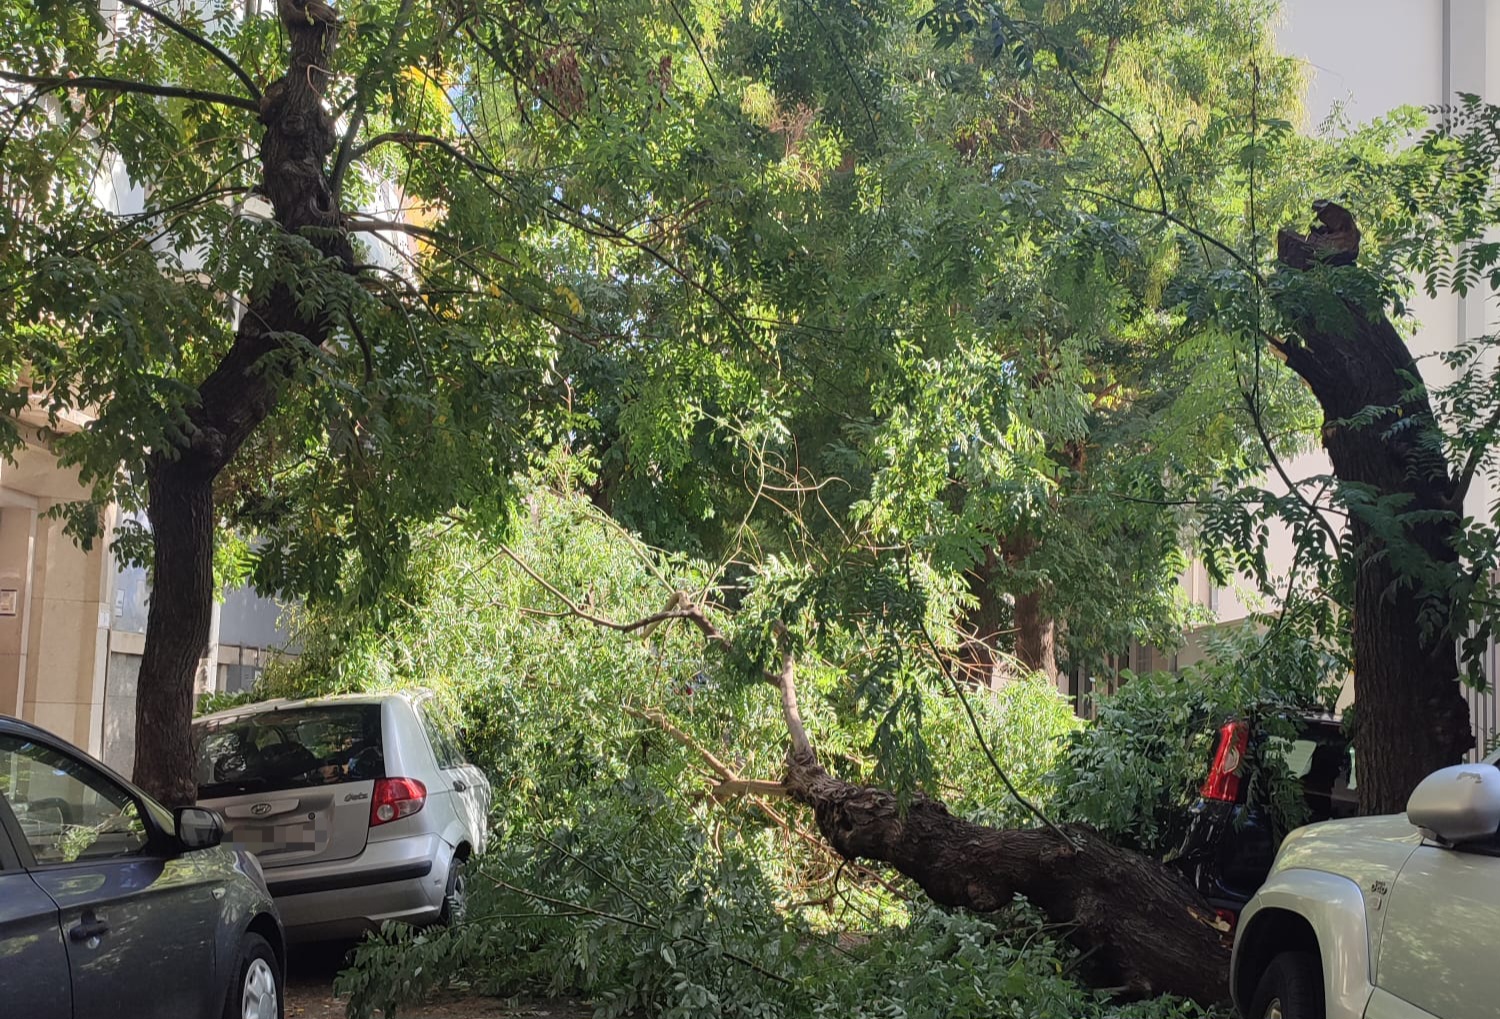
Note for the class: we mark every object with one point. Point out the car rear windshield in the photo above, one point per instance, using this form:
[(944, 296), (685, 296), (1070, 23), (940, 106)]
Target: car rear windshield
[(294, 748)]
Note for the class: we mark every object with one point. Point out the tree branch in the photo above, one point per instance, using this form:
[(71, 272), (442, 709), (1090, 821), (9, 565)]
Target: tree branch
[(682, 608), (801, 750), (1202, 235), (53, 82), (1252, 408), (984, 744), (1140, 143), (412, 138), (199, 40), (361, 101), (1471, 465), (693, 37), (748, 787), (661, 721)]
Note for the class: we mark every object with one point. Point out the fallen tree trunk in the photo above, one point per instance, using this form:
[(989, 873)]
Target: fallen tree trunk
[(1143, 930)]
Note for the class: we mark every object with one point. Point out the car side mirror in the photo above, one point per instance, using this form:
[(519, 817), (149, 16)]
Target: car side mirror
[(198, 828), (1458, 804)]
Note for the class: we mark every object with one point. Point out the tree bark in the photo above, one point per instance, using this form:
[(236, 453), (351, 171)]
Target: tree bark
[(1142, 929), (1410, 714), (234, 399), (1036, 635), (1035, 645), (980, 654)]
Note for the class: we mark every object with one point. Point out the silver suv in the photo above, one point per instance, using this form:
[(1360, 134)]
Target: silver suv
[(1382, 917), (361, 809)]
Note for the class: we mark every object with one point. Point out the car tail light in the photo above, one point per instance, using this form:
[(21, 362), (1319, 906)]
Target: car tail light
[(395, 798), (1223, 782)]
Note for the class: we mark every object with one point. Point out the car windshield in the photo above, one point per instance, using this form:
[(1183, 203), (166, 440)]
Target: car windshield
[(295, 748)]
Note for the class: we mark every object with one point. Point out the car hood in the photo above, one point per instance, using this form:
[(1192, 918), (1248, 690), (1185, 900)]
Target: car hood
[(1363, 849)]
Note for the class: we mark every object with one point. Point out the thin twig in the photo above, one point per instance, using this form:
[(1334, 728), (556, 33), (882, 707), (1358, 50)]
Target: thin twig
[(362, 99), (1118, 118), (701, 58), (691, 612), (984, 744)]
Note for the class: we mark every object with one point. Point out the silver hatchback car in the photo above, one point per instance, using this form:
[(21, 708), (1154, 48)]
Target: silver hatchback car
[(361, 808)]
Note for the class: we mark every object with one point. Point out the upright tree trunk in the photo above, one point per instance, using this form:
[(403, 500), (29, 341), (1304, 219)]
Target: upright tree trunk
[(233, 401), (980, 654), (177, 627), (1410, 715), (1036, 635), (1034, 629)]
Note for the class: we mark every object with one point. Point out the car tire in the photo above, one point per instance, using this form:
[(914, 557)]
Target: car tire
[(257, 991), (1290, 988), (456, 896)]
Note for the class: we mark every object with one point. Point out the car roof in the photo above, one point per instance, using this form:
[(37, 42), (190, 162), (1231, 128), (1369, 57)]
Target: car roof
[(14, 726), (286, 704), (9, 723)]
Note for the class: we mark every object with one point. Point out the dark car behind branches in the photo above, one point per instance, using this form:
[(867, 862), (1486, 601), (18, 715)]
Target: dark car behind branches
[(1269, 773)]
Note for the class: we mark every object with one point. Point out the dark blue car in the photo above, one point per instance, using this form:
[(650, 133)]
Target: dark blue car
[(111, 905)]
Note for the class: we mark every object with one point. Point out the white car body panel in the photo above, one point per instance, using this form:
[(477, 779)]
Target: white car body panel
[(1335, 908), (1369, 851), (1401, 924), (1437, 952), (1388, 1006)]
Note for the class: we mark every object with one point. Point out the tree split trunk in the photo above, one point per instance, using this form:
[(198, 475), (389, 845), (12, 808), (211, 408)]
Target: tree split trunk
[(1142, 929), (233, 401), (1410, 715)]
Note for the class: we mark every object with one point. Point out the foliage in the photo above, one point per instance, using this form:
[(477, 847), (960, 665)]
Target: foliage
[(665, 959), (1135, 771), (613, 875), (972, 347)]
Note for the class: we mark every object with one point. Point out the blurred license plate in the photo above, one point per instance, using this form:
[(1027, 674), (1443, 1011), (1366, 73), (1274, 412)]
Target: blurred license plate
[(305, 835)]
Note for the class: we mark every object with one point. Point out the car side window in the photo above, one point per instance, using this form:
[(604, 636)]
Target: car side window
[(67, 811), (443, 746)]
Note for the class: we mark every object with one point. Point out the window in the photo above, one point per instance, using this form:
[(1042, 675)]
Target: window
[(296, 748), (444, 748), (67, 811), (1323, 764)]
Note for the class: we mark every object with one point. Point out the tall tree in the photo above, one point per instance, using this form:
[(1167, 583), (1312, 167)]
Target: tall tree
[(1419, 547), (967, 320), (334, 314)]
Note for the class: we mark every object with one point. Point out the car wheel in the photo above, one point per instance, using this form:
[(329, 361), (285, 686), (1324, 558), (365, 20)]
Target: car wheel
[(1290, 988), (256, 990), (456, 898)]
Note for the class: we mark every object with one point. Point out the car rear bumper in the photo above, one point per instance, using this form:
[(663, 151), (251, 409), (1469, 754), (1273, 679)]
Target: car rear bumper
[(398, 879)]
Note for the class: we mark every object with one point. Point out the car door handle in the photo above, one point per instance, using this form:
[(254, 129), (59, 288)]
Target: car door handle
[(460, 786), (90, 926)]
